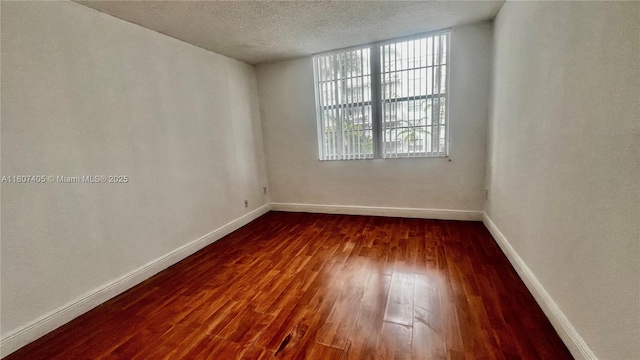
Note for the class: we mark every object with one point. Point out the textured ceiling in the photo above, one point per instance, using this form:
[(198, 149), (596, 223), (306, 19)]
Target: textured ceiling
[(264, 31)]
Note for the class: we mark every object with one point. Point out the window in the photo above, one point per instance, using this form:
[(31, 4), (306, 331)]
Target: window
[(387, 100)]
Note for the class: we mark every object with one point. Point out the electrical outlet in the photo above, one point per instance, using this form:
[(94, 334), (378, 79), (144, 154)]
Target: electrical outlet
[(264, 190), (246, 203)]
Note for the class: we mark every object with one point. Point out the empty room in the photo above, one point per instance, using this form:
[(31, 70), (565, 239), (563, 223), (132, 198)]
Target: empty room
[(320, 180)]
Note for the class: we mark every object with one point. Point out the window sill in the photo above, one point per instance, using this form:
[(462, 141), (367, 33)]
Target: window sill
[(394, 158)]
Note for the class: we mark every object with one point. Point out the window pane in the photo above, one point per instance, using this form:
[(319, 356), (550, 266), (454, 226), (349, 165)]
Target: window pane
[(411, 117), (413, 93), (343, 98)]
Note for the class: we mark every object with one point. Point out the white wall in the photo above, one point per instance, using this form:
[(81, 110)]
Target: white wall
[(85, 93), (296, 175), (564, 172)]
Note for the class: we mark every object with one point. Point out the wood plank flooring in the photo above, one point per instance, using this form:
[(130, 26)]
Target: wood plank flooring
[(313, 286)]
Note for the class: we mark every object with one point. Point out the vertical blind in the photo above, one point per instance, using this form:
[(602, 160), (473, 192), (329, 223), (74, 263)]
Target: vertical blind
[(414, 97), (387, 100), (343, 95)]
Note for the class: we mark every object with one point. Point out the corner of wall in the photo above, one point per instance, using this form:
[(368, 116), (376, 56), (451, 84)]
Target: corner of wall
[(569, 335), (49, 322)]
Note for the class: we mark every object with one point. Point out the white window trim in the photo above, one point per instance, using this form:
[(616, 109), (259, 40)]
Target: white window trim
[(376, 101)]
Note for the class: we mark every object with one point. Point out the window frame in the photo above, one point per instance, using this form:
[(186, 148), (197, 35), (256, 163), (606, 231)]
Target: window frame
[(375, 98)]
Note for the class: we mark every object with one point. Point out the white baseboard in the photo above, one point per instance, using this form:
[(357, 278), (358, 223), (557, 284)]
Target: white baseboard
[(440, 214), (572, 339), (30, 332)]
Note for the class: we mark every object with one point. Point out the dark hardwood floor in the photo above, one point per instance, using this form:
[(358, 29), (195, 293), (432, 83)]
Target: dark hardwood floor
[(312, 286)]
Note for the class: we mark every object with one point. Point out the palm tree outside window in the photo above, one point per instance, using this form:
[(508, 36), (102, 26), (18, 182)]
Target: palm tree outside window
[(386, 100)]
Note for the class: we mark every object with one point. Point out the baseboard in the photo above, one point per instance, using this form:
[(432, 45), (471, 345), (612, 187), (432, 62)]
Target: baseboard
[(418, 213), (22, 336), (572, 339)]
